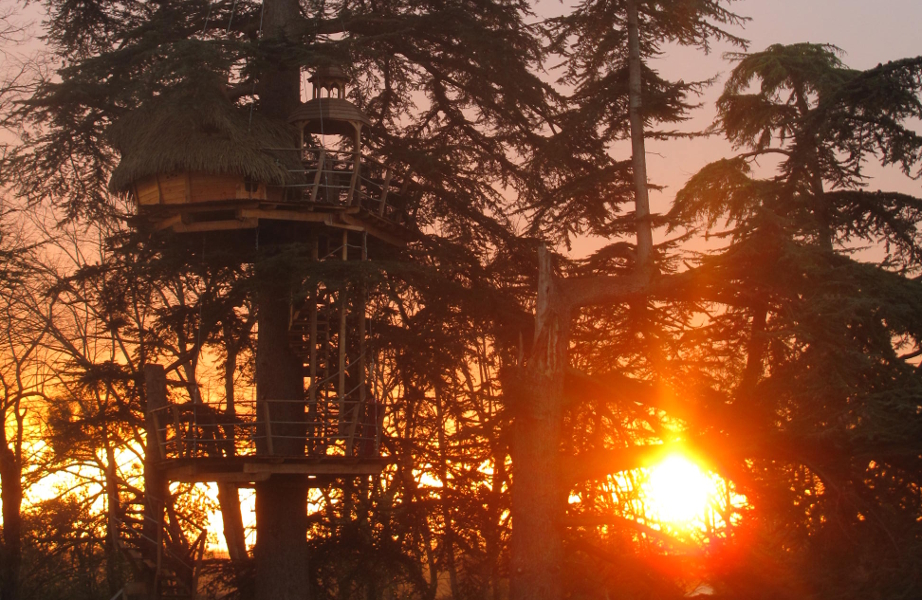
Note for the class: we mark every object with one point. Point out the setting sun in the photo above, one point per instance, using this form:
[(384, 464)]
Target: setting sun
[(677, 491)]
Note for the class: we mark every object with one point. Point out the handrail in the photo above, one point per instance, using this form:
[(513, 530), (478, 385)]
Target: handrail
[(199, 430), (335, 177)]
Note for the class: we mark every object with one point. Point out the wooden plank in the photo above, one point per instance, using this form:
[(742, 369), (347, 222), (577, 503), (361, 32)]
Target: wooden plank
[(268, 417), (353, 198), (211, 188), (321, 160), (147, 192), (215, 225), (168, 222), (319, 468), (283, 215), (194, 474), (374, 231), (173, 188)]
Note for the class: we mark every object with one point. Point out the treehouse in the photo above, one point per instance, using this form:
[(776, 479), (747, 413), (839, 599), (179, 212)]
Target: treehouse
[(194, 163)]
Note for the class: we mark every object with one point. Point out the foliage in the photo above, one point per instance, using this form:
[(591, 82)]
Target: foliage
[(829, 375)]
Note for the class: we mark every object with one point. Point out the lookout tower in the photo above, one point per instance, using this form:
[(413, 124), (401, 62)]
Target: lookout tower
[(196, 163)]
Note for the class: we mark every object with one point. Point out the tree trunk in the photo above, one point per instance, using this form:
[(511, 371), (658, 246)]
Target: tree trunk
[(11, 548), (156, 487), (445, 499), (638, 145), (113, 579), (538, 498), (228, 497), (281, 501)]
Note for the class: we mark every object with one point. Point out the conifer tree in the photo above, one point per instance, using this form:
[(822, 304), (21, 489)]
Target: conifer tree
[(479, 106), (825, 399)]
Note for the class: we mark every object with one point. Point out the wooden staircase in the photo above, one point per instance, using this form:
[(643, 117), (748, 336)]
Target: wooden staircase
[(160, 554)]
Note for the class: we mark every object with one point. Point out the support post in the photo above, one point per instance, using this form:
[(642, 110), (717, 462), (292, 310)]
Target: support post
[(155, 484), (343, 312)]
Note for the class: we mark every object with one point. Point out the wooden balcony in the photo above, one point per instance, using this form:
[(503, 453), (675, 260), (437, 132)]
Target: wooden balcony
[(331, 188), (196, 441)]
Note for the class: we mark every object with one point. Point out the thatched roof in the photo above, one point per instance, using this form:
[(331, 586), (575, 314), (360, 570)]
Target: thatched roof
[(196, 128)]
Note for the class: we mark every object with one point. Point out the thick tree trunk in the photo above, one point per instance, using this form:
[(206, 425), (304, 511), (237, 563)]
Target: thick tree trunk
[(11, 548), (281, 539), (638, 145), (538, 497), (281, 502), (156, 487)]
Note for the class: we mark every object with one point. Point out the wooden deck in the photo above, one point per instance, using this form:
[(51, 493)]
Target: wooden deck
[(333, 189), (230, 215), (251, 469)]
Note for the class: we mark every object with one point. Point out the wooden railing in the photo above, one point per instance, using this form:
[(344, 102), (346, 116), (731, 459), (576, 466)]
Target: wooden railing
[(335, 178), (328, 428)]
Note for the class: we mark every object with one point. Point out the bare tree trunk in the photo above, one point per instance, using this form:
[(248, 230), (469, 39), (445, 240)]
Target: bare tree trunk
[(11, 491), (638, 146), (538, 497)]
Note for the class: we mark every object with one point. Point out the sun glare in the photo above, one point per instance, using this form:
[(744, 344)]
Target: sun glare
[(678, 491)]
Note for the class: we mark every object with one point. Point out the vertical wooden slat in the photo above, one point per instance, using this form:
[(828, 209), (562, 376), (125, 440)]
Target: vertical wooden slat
[(343, 310), (312, 354), (388, 175), (358, 413), (178, 434), (354, 198), (321, 162), (268, 417)]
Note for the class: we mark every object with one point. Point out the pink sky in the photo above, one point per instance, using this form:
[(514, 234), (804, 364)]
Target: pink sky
[(868, 32)]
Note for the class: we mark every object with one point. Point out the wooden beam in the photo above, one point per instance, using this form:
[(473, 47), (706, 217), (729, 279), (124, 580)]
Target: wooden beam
[(318, 468), (196, 474), (224, 225), (278, 214), (374, 231), (343, 310), (167, 223)]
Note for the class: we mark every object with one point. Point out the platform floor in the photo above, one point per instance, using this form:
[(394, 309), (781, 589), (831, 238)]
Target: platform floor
[(251, 469)]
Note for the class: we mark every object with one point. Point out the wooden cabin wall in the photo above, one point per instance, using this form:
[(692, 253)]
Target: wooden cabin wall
[(185, 188)]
